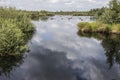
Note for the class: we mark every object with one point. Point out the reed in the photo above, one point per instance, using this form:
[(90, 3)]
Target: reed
[(97, 27)]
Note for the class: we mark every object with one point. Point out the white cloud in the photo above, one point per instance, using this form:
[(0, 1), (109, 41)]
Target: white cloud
[(69, 3), (55, 5), (54, 1)]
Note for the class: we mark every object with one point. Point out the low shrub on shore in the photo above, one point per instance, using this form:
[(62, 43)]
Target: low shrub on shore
[(15, 30), (11, 39)]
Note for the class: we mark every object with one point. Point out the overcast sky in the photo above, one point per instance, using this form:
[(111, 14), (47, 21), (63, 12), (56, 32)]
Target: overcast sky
[(55, 5)]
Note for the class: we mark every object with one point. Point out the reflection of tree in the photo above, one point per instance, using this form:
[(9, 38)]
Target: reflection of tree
[(7, 63), (111, 44)]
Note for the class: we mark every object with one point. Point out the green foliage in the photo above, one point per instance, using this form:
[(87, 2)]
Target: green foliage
[(112, 14), (73, 13), (115, 5), (108, 19), (107, 16), (82, 25), (97, 12), (85, 27), (36, 15), (15, 27), (11, 40), (99, 27)]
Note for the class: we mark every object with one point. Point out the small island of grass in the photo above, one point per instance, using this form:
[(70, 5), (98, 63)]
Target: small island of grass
[(99, 27), (108, 20)]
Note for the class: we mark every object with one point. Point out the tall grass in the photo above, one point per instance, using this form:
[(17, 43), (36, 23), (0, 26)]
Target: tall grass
[(99, 27)]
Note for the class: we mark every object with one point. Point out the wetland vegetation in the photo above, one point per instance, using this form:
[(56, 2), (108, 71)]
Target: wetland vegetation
[(17, 28), (108, 20)]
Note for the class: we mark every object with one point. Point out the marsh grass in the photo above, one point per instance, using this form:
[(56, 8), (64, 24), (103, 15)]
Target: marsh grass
[(98, 27)]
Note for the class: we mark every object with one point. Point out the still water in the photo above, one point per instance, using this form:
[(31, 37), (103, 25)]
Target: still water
[(58, 51)]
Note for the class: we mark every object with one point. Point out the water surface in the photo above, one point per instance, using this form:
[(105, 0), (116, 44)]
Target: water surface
[(58, 51)]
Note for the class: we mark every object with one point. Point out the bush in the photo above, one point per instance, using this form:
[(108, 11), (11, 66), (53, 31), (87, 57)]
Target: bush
[(11, 39), (111, 15), (15, 30)]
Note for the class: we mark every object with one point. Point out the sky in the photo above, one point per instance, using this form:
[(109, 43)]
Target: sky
[(55, 5)]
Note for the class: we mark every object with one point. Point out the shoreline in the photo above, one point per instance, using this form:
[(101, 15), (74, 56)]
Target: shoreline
[(96, 27)]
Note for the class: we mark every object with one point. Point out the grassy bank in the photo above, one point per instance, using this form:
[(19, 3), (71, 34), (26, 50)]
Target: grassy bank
[(108, 19), (98, 27), (15, 30), (36, 15)]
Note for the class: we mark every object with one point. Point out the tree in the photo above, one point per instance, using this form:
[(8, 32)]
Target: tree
[(112, 14), (115, 5)]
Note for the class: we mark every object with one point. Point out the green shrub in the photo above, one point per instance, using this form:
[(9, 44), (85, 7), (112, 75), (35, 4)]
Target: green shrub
[(15, 30), (11, 39)]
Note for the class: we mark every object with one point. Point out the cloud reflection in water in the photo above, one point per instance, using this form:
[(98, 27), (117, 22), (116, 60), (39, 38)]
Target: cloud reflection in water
[(58, 53)]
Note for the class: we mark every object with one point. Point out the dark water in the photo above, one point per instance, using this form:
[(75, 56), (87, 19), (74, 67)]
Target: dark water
[(58, 51)]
